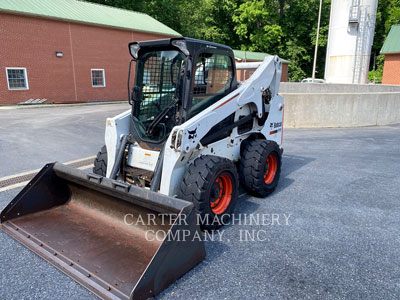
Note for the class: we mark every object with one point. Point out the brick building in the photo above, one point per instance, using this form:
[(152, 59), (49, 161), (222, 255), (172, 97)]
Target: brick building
[(62, 51), (248, 56), (67, 50), (391, 50)]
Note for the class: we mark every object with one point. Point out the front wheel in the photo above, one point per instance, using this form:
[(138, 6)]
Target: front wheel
[(211, 183), (260, 167), (100, 162)]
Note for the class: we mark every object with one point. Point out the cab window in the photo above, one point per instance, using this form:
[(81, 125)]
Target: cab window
[(213, 75)]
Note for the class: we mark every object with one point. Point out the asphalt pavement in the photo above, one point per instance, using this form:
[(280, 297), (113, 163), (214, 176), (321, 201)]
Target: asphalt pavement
[(32, 137), (331, 230)]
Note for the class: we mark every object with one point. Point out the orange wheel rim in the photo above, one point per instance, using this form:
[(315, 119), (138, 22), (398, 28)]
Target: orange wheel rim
[(271, 168), (222, 194)]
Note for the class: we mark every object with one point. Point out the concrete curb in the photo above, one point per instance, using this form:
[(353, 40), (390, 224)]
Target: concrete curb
[(28, 106)]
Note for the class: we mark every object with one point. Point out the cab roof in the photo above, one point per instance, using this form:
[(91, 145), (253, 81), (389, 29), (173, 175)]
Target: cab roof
[(193, 46)]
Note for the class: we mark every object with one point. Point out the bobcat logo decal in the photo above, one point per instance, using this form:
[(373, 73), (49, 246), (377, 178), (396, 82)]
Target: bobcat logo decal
[(192, 134)]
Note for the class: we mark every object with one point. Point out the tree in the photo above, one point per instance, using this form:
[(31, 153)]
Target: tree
[(257, 25), (283, 27), (286, 28), (388, 14), (206, 19)]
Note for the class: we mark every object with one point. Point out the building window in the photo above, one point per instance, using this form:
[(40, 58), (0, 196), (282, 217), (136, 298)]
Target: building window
[(98, 78), (17, 79)]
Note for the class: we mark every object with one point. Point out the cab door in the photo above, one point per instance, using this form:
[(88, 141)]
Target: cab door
[(212, 80)]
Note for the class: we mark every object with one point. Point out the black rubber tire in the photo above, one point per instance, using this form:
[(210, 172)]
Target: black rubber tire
[(253, 165), (100, 162), (198, 181)]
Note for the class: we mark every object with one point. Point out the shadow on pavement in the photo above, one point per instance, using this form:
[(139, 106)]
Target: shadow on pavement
[(290, 164)]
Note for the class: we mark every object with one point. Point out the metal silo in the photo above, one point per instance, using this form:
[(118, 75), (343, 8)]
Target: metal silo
[(351, 34)]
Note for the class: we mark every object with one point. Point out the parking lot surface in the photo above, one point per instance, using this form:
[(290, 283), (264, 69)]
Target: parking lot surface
[(32, 137), (331, 230)]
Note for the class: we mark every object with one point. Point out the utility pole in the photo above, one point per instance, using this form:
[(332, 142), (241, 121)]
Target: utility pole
[(316, 42)]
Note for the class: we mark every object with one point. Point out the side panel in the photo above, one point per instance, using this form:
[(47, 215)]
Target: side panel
[(273, 127), (115, 127), (174, 166)]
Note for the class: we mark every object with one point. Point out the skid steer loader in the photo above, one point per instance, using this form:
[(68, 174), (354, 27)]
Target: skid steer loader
[(192, 132)]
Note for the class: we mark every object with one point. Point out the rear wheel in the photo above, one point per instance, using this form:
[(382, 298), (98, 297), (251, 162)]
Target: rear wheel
[(100, 162), (211, 183), (260, 167)]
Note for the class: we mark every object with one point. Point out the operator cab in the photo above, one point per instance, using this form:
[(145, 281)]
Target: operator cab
[(176, 79)]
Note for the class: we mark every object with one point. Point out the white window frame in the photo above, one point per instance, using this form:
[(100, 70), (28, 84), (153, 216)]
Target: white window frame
[(104, 78), (25, 75)]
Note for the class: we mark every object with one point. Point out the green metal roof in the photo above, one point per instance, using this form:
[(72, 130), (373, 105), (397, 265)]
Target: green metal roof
[(85, 12), (249, 55), (392, 42)]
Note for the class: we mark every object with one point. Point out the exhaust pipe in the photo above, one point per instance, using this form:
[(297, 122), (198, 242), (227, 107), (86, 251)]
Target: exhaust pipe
[(117, 240)]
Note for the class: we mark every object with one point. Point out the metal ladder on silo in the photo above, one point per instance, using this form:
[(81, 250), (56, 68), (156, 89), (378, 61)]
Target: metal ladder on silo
[(361, 41), (354, 12)]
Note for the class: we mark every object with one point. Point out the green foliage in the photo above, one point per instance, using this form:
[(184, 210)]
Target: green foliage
[(257, 26), (375, 75), (392, 9), (283, 27), (388, 14)]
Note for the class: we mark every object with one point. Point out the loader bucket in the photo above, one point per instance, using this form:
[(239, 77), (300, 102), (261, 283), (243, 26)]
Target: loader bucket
[(119, 241)]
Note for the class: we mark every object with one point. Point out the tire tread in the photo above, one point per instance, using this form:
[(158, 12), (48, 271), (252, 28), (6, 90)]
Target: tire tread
[(198, 176), (251, 170), (100, 162)]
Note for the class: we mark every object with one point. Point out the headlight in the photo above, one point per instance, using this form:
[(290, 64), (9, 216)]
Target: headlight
[(181, 45), (134, 50)]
